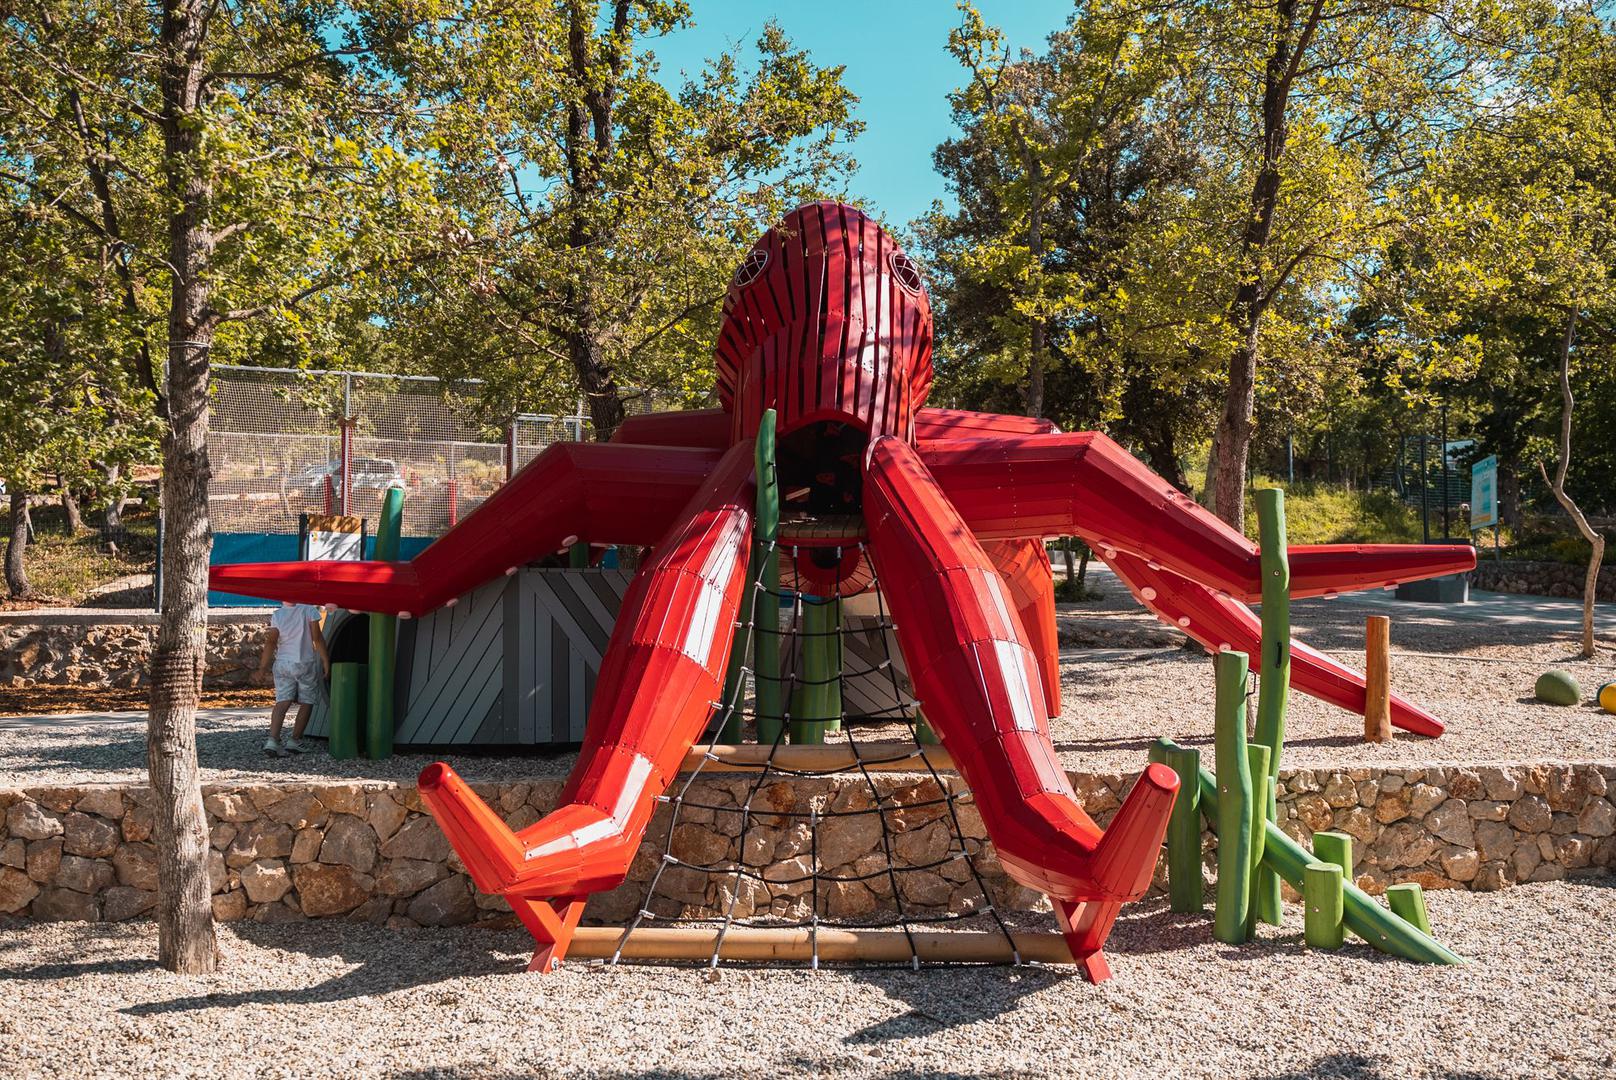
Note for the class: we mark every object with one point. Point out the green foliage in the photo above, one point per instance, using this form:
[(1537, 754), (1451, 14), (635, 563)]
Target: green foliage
[(67, 568), (601, 213)]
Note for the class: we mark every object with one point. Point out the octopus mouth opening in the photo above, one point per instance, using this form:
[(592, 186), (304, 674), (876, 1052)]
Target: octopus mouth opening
[(820, 468)]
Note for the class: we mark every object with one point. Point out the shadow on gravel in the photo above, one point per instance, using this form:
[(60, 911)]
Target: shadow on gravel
[(380, 970), (1360, 1067)]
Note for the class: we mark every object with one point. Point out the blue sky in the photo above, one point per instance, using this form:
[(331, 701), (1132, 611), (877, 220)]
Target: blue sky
[(897, 63)]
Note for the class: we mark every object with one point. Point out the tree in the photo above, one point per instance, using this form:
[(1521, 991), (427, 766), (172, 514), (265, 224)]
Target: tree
[(1509, 268), (68, 408), (1060, 156), (603, 212), (227, 164)]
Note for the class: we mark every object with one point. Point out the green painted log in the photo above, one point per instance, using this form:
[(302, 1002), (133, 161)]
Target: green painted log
[(1376, 925), (1334, 847), (344, 710), (1323, 894), (1234, 811), (769, 691), (817, 701), (1274, 684), (745, 637), (1186, 884), (578, 556), (1408, 902), (1257, 755), (924, 735), (383, 638)]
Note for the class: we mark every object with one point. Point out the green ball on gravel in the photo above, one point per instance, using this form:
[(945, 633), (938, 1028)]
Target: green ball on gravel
[(1558, 688)]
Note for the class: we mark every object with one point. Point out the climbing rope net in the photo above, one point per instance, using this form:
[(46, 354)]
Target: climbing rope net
[(751, 884)]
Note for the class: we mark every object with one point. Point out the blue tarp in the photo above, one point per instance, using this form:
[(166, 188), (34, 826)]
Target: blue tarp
[(279, 547)]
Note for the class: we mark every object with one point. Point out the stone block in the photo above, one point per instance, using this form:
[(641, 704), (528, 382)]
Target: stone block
[(418, 838), (43, 858), (406, 877), (121, 902), (91, 837), (17, 890), (329, 890), (1425, 798), (1494, 841), (448, 903), (385, 815), (349, 842), (104, 802), (31, 821), (1451, 822), (83, 875), (1530, 814), (136, 866), (65, 905), (1597, 819), (265, 881)]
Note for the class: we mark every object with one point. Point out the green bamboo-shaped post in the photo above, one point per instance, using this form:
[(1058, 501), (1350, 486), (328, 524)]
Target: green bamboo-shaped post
[(343, 711), (578, 556), (1363, 916), (383, 637), (1234, 804), (1186, 884), (1334, 847), (768, 692), (817, 700), (1274, 682), (1257, 755), (1407, 901), (1323, 893)]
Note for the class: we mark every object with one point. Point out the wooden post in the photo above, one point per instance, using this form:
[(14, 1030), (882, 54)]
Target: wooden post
[(1234, 813), (383, 638), (344, 709), (1334, 847), (1408, 902), (768, 692), (1363, 915), (1323, 895), (1274, 684), (1377, 721), (1257, 754), (1186, 884)]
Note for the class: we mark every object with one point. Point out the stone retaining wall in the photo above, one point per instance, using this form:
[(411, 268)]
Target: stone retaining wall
[(368, 851), (1540, 578), (102, 652)]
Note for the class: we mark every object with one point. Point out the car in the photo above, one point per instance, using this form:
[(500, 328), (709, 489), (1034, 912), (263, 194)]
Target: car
[(368, 473)]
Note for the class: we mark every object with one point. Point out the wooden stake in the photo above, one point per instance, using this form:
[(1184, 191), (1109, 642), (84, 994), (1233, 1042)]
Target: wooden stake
[(1323, 892), (832, 946), (1408, 902), (877, 757), (1377, 721)]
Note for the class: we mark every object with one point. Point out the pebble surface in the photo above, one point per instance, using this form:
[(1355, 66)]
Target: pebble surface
[(335, 999)]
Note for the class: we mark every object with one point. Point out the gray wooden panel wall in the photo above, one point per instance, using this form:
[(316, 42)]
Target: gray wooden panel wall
[(513, 663)]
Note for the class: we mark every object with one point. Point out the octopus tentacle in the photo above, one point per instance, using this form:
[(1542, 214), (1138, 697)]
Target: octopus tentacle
[(663, 669), (1219, 622), (1084, 484), (595, 492), (979, 684)]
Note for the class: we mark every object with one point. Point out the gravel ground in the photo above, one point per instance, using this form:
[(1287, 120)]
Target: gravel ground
[(1126, 680), (334, 999)]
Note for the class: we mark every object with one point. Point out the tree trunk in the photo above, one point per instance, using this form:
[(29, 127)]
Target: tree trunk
[(1596, 540), (185, 934), (593, 372), (17, 546), (1035, 252), (70, 510), (1231, 443), (112, 514)]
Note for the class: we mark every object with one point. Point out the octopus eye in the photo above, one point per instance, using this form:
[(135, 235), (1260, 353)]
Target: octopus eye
[(751, 268), (905, 273)]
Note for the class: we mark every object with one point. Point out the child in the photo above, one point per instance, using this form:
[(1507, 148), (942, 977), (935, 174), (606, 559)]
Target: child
[(293, 642)]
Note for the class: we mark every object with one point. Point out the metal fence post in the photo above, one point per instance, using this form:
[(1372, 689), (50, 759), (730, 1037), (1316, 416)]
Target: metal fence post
[(510, 449), (347, 445)]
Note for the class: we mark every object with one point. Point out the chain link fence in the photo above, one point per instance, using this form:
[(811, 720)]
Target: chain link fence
[(286, 442)]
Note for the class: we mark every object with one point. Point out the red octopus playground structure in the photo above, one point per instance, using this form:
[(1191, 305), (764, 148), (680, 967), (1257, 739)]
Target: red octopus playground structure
[(827, 324)]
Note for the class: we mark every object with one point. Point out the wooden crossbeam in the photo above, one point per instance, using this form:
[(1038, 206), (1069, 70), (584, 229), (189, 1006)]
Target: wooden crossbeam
[(832, 946)]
